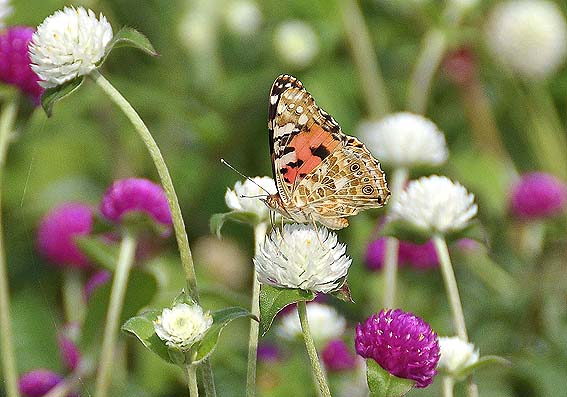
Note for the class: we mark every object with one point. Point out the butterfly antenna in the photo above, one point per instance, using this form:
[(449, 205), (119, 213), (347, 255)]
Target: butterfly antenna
[(244, 176)]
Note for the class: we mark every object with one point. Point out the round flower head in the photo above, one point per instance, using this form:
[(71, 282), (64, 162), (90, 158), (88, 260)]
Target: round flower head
[(243, 17), (302, 257), (528, 36), (337, 356), (58, 229), (296, 43), (5, 11), (15, 66), (183, 325), (325, 323), (244, 197), (401, 343), (421, 256), (68, 44), (38, 382), (135, 195), (68, 350), (538, 195), (405, 140), (456, 354), (436, 204)]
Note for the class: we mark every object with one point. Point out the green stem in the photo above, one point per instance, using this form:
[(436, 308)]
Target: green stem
[(451, 287), (117, 294), (371, 80), (399, 179), (192, 380), (259, 235), (7, 119), (177, 217), (430, 57), (311, 351), (448, 386), (73, 302)]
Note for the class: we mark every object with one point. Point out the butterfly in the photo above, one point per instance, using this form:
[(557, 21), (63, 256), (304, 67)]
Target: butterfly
[(321, 174)]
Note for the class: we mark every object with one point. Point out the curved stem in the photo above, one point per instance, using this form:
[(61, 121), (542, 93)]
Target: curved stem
[(311, 351), (392, 244), (371, 80), (177, 218), (7, 119), (117, 294), (451, 287), (192, 380), (432, 51), (259, 235)]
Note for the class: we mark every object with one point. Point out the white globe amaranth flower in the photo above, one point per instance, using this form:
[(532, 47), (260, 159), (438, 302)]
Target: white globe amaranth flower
[(528, 36), (325, 323), (5, 11), (296, 43), (243, 17), (436, 204), (183, 325), (68, 44), (302, 257), (198, 30), (456, 354), (244, 196), (405, 140)]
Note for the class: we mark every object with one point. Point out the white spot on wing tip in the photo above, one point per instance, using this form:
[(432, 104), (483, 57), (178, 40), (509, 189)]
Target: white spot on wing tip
[(274, 99)]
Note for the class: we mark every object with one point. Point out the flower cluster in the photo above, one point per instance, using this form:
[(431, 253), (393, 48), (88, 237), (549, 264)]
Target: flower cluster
[(68, 44), (244, 197), (183, 325), (456, 354), (538, 195), (401, 343)]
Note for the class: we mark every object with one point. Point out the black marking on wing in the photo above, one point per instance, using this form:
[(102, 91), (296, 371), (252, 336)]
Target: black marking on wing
[(320, 151)]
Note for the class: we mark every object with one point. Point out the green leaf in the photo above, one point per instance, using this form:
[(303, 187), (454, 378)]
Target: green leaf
[(141, 289), (273, 300), (217, 220), (383, 384), (100, 252), (142, 327), (406, 231), (221, 319), (484, 361), (129, 37), (53, 95)]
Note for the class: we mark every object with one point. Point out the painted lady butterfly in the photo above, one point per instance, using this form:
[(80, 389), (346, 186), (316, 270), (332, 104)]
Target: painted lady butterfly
[(321, 174)]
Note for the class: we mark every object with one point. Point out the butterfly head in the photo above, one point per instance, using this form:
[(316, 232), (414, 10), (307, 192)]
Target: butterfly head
[(274, 202)]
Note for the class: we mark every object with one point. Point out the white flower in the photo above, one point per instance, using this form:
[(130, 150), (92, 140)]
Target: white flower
[(325, 323), (300, 257), (456, 354), (68, 44), (182, 326), (244, 196), (528, 36), (405, 140), (243, 17), (5, 11), (198, 30), (435, 203), (296, 43)]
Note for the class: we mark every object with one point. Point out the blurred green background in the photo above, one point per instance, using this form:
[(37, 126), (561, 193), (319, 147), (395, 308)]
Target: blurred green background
[(205, 97)]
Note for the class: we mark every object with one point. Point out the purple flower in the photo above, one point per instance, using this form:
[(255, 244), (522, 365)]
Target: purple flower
[(57, 230), (538, 195), (268, 353), (70, 354), (96, 280), (421, 256), (136, 195), (401, 343), (15, 61), (337, 356), (38, 382)]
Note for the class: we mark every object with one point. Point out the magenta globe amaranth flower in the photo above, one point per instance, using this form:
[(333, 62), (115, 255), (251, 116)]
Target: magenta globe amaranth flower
[(68, 349), (57, 231), (337, 356), (538, 195), (420, 256), (38, 382), (401, 343), (131, 195), (15, 66)]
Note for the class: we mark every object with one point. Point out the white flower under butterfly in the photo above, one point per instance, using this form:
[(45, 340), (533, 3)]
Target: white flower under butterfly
[(302, 257), (325, 323), (436, 204), (404, 140), (456, 354), (244, 196), (5, 11), (183, 325), (68, 44)]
